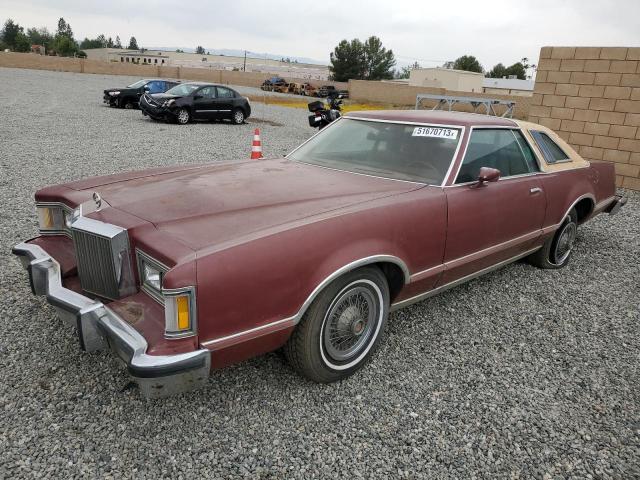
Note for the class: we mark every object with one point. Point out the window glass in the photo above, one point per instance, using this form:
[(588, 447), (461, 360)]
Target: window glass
[(399, 151), (207, 92), (526, 150), (182, 89), (491, 148), (137, 84), (156, 86), (225, 93), (550, 150)]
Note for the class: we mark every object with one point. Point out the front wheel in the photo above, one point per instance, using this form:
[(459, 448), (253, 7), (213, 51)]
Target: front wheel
[(238, 116), (342, 327), (183, 117), (556, 251)]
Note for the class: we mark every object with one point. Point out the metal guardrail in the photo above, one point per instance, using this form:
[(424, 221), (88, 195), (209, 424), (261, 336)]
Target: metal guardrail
[(475, 102)]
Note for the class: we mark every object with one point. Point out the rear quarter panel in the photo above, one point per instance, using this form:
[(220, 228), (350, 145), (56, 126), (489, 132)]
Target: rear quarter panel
[(562, 189)]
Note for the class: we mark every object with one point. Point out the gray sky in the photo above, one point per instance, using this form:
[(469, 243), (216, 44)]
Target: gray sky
[(427, 31)]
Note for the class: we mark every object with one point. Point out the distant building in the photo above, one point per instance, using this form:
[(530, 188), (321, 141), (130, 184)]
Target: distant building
[(39, 49), (305, 71), (463, 81), (508, 86), (456, 80)]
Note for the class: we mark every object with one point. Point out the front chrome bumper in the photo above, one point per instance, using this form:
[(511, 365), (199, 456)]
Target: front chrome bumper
[(99, 327)]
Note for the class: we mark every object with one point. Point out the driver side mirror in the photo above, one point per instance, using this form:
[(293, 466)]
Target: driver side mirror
[(147, 89), (488, 175)]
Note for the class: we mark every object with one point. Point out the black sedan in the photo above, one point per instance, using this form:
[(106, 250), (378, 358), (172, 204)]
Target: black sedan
[(196, 101), (128, 97)]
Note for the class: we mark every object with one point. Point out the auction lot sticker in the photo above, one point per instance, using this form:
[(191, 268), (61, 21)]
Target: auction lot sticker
[(436, 132)]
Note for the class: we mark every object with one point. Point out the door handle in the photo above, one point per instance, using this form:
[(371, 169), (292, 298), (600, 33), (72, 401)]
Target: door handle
[(535, 190)]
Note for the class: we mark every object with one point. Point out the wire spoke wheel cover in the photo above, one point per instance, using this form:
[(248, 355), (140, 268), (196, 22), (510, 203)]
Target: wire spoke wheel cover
[(351, 324), (564, 244), (238, 116)]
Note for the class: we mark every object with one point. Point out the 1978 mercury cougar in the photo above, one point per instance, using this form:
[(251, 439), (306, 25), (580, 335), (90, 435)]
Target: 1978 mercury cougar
[(181, 270)]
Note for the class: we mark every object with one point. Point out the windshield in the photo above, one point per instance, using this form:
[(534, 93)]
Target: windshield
[(182, 89), (138, 84), (392, 150)]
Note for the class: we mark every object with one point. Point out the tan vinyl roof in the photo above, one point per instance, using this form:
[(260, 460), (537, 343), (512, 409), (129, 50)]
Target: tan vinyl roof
[(575, 160)]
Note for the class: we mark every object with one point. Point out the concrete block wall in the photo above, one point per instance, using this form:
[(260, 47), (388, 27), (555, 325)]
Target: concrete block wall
[(591, 97)]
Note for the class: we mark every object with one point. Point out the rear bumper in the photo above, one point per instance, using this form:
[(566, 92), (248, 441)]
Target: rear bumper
[(616, 204), (99, 327)]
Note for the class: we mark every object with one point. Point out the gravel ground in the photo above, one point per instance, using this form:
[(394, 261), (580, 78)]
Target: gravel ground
[(520, 374)]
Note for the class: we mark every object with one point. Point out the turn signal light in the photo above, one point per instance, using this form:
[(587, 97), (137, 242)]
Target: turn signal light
[(179, 311), (182, 304)]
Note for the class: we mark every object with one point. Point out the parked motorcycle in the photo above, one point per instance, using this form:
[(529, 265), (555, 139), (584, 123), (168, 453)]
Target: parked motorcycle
[(323, 114)]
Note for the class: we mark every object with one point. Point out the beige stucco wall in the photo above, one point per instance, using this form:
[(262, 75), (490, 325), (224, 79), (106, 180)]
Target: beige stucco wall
[(63, 64), (591, 97)]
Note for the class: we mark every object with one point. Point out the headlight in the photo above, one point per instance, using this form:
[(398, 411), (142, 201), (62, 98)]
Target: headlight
[(152, 277), (54, 218), (151, 273), (179, 312), (179, 304), (117, 92)]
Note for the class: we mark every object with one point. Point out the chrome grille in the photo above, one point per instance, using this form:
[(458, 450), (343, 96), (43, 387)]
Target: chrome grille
[(103, 258)]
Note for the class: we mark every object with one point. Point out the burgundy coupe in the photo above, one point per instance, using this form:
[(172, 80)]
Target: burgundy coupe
[(182, 270)]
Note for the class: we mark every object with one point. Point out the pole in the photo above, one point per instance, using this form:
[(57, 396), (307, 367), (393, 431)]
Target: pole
[(244, 67)]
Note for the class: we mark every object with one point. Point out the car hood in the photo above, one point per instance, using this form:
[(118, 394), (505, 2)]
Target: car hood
[(229, 203)]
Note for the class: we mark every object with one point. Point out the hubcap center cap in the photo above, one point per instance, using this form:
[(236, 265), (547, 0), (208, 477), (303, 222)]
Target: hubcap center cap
[(357, 327)]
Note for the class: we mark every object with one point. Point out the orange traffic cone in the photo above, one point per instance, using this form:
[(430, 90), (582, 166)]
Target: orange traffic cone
[(256, 146)]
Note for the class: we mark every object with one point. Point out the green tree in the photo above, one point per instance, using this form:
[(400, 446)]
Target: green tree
[(65, 46), (405, 72), (99, 42), (64, 29), (117, 43), (378, 61), (361, 61), (518, 70), (10, 33), (347, 61), (40, 36), (498, 71), (63, 43), (468, 63), (22, 43), (200, 50), (133, 44)]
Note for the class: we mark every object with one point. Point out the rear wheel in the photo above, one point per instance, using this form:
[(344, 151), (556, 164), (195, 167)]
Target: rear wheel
[(237, 116), (183, 117), (556, 251), (342, 327)]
